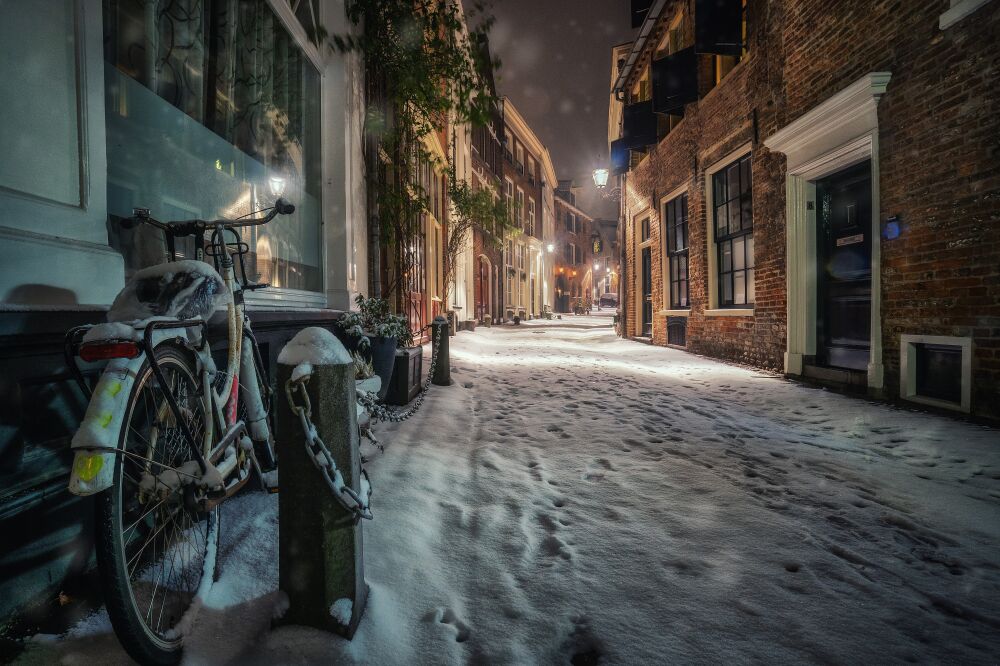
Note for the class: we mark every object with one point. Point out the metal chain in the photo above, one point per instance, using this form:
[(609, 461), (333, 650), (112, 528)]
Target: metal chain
[(379, 411), (320, 455)]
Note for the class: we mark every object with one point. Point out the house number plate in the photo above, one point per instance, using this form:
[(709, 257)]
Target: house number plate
[(850, 240)]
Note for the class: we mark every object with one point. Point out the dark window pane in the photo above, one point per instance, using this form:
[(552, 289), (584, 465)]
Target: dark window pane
[(745, 175), (721, 221), (727, 289), (720, 187), (733, 178), (747, 212), (734, 217)]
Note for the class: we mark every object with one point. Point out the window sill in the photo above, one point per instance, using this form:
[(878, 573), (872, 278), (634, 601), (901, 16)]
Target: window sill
[(730, 312), (958, 11), (674, 313)]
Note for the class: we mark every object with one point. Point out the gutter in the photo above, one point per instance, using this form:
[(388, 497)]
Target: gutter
[(645, 30)]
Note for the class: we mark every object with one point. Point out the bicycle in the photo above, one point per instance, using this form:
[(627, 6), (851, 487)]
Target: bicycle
[(167, 436)]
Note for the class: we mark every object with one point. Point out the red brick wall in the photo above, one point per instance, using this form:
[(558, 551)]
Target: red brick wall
[(939, 172), (939, 162), (720, 123)]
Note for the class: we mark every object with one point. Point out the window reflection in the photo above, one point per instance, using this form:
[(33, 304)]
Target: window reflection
[(210, 105)]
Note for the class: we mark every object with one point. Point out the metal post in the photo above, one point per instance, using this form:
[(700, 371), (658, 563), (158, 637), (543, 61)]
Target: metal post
[(320, 549), (439, 340)]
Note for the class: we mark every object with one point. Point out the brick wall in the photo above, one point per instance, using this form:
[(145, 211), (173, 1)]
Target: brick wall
[(939, 172)]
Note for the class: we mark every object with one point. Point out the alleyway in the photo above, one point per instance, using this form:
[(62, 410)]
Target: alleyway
[(575, 495)]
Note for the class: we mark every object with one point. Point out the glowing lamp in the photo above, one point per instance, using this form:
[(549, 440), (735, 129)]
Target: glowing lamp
[(277, 185), (600, 177)]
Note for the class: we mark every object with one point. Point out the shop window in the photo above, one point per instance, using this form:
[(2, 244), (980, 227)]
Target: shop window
[(733, 226), (215, 112), (675, 215)]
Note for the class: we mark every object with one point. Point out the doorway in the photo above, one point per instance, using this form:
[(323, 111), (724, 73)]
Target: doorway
[(844, 268), (647, 291)]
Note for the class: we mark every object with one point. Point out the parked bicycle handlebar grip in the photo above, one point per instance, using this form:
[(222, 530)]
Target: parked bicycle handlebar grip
[(283, 207)]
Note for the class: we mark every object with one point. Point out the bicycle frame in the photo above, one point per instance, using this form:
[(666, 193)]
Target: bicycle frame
[(96, 442)]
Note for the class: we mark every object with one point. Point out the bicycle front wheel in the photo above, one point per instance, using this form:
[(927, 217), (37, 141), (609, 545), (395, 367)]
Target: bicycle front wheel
[(156, 551)]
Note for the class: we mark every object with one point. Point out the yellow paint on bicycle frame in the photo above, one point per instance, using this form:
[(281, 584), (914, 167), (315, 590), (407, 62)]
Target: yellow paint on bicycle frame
[(114, 389), (88, 467), (105, 419)]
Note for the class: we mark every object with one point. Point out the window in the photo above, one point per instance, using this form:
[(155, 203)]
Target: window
[(568, 253), (723, 64), (508, 197), (531, 217), (675, 214), (520, 206), (733, 220), (508, 145), (520, 159), (510, 253), (644, 230), (569, 220), (531, 170), (197, 102)]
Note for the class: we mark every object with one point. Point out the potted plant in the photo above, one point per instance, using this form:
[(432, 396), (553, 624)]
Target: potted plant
[(376, 333)]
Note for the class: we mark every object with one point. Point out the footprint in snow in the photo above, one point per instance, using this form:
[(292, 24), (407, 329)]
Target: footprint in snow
[(446, 615)]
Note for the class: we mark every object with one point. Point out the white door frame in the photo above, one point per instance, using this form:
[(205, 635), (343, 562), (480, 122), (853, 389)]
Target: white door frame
[(840, 132)]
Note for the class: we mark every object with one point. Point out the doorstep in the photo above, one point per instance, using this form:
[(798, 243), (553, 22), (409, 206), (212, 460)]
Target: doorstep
[(854, 380)]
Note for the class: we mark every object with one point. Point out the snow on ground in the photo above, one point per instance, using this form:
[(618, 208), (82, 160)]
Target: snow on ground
[(575, 496)]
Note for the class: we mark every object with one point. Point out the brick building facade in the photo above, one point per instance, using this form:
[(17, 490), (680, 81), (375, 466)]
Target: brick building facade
[(573, 251), (487, 173), (523, 185), (829, 181)]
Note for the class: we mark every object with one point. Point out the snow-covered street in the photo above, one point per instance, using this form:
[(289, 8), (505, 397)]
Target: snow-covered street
[(574, 497)]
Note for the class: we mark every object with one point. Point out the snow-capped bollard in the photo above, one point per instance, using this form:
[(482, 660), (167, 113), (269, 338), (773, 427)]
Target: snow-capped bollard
[(439, 346), (320, 548)]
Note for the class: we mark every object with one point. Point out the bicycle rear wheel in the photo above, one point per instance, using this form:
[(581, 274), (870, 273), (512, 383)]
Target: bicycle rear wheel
[(156, 550)]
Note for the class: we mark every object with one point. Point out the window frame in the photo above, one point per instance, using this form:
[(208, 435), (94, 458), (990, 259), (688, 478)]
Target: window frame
[(716, 307), (679, 197), (717, 270)]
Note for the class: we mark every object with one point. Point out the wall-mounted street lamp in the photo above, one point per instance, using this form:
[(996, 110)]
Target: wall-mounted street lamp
[(601, 178), (550, 247)]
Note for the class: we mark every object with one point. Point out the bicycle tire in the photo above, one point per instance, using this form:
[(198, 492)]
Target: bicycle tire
[(124, 590)]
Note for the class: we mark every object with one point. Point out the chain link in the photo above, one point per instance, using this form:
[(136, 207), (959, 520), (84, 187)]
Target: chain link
[(318, 452), (379, 411)]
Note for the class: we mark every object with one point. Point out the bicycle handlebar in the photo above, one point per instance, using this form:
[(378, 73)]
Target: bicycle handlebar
[(184, 227)]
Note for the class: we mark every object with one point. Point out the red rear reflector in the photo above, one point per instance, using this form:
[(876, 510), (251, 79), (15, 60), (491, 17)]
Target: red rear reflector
[(102, 351)]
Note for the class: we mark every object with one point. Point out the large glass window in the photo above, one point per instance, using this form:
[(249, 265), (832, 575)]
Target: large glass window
[(213, 110), (675, 216), (733, 219)]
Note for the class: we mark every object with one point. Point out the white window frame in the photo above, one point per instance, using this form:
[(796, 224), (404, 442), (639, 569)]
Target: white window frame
[(958, 10), (531, 216), (908, 370), (713, 309), (665, 252), (519, 157)]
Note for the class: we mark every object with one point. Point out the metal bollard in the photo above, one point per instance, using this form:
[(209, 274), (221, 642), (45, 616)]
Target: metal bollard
[(442, 371), (320, 548)]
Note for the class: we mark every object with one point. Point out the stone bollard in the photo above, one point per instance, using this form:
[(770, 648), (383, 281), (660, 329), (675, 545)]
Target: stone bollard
[(442, 371), (320, 548)]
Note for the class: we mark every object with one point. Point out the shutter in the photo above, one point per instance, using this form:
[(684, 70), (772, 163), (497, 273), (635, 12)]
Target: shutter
[(639, 10), (675, 81), (718, 26), (639, 125)]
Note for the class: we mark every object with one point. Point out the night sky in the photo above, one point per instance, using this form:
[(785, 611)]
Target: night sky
[(556, 68)]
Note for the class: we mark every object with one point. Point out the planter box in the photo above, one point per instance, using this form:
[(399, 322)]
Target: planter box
[(406, 375)]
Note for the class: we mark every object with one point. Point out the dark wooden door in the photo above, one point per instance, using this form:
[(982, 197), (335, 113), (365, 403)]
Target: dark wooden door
[(844, 275), (647, 291), (483, 285)]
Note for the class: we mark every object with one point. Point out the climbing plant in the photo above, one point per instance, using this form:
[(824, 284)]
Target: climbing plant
[(425, 69)]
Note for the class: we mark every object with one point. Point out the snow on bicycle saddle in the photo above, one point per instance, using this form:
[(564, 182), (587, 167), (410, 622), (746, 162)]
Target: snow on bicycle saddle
[(177, 289)]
